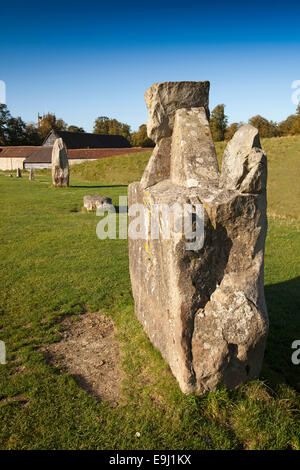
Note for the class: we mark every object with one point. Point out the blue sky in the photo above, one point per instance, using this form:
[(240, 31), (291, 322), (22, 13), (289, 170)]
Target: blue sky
[(86, 59)]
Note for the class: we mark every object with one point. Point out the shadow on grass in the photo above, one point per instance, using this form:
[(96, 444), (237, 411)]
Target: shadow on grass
[(283, 301)]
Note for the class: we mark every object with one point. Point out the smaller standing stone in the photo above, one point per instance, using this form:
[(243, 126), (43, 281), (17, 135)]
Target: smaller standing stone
[(242, 154), (31, 174), (92, 203), (60, 165), (19, 174)]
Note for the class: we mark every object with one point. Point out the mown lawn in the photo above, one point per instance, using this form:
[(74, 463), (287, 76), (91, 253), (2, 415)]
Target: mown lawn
[(53, 266)]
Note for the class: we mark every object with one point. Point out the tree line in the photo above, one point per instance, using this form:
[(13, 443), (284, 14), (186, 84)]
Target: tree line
[(14, 131), (222, 131)]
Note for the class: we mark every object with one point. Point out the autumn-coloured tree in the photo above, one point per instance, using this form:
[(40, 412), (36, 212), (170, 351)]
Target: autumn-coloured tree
[(231, 130), (295, 122), (48, 123), (140, 138)]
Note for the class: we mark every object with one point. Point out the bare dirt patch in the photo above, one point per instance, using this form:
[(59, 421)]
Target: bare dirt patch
[(89, 351)]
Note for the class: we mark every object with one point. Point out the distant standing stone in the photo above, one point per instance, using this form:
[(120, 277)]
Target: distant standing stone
[(31, 174), (19, 174), (60, 166), (92, 203)]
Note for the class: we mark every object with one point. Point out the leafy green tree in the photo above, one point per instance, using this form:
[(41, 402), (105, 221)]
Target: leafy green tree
[(12, 130), (218, 122), (101, 125), (75, 129), (15, 131), (295, 122), (105, 125), (32, 136), (140, 138), (285, 127), (266, 128), (273, 129), (4, 117), (295, 130)]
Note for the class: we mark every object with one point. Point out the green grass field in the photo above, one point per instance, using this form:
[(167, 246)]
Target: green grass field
[(54, 266)]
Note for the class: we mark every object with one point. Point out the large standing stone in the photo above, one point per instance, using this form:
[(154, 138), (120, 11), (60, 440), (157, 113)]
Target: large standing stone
[(204, 308), (163, 100), (60, 166)]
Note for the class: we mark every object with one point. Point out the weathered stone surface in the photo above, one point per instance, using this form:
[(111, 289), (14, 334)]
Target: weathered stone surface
[(18, 173), (60, 166), (194, 158), (158, 167), (230, 329), (205, 309), (163, 99), (31, 174), (236, 160), (92, 203)]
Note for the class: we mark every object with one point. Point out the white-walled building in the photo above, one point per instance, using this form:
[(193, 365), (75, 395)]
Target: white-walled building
[(12, 158)]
